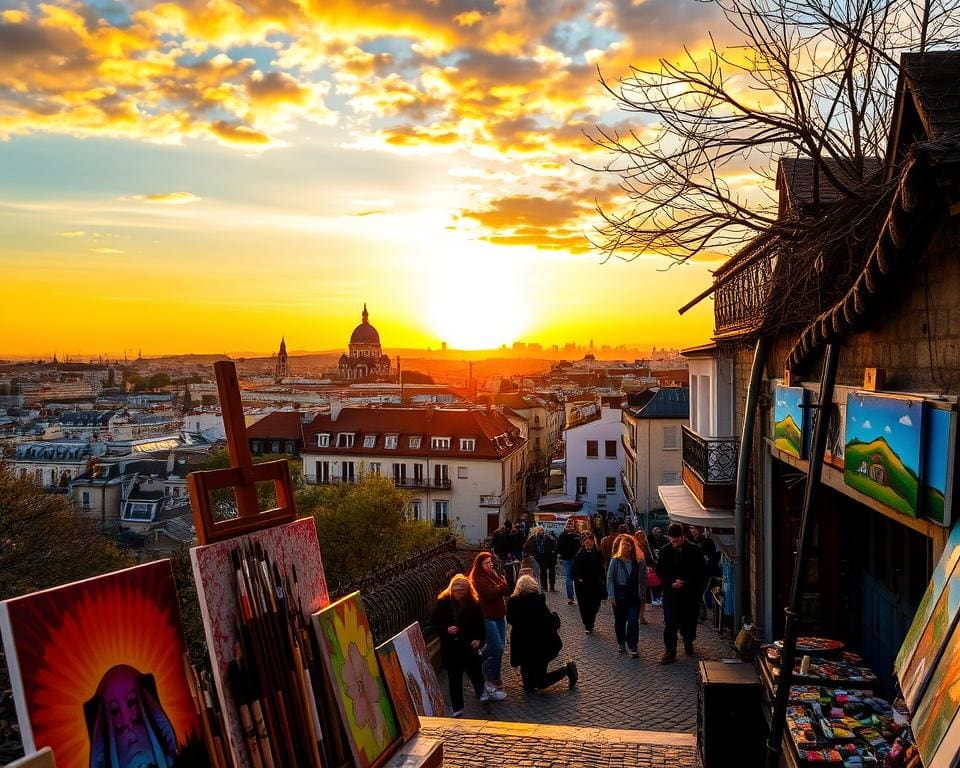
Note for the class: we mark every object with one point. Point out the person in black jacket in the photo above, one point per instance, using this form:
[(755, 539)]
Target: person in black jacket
[(543, 548), (589, 580), (534, 637), (458, 622), (568, 544), (681, 570)]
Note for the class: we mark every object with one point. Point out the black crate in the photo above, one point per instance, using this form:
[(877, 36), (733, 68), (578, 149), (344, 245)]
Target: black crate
[(731, 731)]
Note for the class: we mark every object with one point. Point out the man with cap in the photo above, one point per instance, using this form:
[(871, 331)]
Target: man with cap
[(681, 569)]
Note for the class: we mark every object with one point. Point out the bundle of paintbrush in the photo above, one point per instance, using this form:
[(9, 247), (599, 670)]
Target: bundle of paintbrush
[(269, 676), (208, 708)]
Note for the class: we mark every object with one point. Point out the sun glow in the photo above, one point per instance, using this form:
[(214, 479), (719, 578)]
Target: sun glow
[(479, 296)]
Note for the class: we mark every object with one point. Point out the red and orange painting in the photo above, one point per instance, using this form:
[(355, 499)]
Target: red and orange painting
[(98, 674)]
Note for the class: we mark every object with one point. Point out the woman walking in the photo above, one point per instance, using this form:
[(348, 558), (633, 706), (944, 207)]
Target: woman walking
[(534, 639), (589, 580), (491, 589), (640, 547), (458, 622), (625, 584)]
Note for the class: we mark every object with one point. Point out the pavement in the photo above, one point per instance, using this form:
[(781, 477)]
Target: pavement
[(623, 711)]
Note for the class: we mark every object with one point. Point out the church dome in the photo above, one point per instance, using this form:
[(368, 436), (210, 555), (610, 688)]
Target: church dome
[(365, 333)]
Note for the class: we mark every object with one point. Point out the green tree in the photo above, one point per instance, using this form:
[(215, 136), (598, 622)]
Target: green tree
[(158, 381), (364, 526), (45, 540)]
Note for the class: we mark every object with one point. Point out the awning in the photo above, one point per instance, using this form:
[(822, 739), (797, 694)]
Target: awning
[(683, 507)]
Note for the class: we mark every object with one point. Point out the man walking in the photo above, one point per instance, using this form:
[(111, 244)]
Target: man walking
[(568, 544), (681, 570), (543, 548)]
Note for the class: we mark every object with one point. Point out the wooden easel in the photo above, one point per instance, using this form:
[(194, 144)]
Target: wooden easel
[(242, 475)]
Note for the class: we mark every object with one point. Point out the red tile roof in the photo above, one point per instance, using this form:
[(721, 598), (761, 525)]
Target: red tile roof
[(279, 425), (495, 436)]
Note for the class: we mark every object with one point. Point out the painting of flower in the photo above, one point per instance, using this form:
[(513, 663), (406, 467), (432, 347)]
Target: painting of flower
[(346, 646)]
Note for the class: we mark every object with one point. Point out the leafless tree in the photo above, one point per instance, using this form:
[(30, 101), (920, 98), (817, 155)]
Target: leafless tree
[(809, 78)]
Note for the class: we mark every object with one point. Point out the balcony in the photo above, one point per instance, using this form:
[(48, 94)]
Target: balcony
[(710, 468), (422, 483)]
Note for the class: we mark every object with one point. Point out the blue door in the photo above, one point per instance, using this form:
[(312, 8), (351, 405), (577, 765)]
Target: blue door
[(883, 623)]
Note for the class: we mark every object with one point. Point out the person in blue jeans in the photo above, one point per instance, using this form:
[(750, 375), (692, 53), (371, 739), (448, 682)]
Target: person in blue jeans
[(626, 582), (568, 544), (491, 589)]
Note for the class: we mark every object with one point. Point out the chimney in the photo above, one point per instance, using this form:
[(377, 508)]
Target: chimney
[(336, 405)]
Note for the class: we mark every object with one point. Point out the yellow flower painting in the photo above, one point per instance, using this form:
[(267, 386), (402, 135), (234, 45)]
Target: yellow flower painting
[(351, 661)]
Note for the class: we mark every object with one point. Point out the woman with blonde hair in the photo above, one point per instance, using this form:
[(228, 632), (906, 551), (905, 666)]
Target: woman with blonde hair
[(458, 622), (626, 581), (534, 637), (491, 589)]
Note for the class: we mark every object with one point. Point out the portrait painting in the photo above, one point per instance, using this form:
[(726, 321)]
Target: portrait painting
[(418, 672), (98, 675), (346, 647)]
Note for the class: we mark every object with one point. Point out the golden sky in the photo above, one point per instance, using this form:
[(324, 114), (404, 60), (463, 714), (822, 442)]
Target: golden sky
[(208, 175)]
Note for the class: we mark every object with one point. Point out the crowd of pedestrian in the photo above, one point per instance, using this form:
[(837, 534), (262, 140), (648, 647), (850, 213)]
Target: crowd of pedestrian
[(506, 586)]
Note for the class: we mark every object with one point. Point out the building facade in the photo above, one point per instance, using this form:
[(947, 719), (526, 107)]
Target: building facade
[(594, 456)]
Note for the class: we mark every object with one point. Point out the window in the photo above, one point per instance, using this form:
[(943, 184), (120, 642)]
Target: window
[(671, 437), (85, 499), (610, 449), (441, 510), (137, 511), (462, 473), (440, 443), (670, 478), (441, 475), (345, 439), (611, 485), (375, 467), (414, 442), (593, 449), (323, 440), (323, 471), (536, 444), (390, 441), (468, 444), (418, 473), (581, 486), (416, 509), (347, 474), (399, 473), (369, 441)]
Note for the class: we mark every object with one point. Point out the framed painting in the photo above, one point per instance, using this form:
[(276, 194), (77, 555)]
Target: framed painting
[(287, 557), (346, 647), (935, 588), (422, 683), (934, 722), (790, 420), (883, 453), (833, 452), (98, 674), (397, 686), (940, 445)]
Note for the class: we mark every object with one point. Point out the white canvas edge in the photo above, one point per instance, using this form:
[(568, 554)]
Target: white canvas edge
[(13, 666)]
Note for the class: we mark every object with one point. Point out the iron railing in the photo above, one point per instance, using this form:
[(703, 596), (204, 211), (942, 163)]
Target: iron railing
[(712, 459), (739, 303)]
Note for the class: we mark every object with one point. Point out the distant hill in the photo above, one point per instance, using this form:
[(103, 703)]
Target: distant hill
[(901, 491), (786, 436)]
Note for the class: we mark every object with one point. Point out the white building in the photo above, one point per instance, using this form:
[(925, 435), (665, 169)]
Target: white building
[(463, 467), (595, 455)]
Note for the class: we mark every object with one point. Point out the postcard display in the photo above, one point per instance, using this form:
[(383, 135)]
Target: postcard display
[(98, 671)]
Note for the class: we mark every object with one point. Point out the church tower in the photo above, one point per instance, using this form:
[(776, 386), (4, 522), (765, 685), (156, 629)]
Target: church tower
[(282, 369)]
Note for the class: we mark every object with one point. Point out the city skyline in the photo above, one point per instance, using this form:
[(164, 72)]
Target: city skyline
[(185, 176)]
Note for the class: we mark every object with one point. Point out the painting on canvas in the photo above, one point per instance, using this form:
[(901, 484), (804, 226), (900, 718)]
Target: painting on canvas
[(790, 420), (883, 453), (940, 446), (346, 647), (294, 550), (397, 686), (938, 708), (422, 683), (98, 675)]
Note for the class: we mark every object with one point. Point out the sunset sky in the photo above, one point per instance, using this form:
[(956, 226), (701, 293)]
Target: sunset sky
[(208, 175)]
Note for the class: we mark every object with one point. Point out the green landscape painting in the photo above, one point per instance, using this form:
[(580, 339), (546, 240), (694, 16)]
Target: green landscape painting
[(790, 420), (882, 455)]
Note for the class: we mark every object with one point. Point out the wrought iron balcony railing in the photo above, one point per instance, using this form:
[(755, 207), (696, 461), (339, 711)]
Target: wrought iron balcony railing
[(712, 459)]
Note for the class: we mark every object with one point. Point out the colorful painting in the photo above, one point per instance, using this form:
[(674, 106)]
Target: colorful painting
[(941, 442), (883, 452), (422, 683), (97, 669), (346, 647), (833, 452), (790, 420), (294, 549), (397, 686), (936, 714), (935, 588)]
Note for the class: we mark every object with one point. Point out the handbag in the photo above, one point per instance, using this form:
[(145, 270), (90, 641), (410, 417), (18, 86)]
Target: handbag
[(652, 579)]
